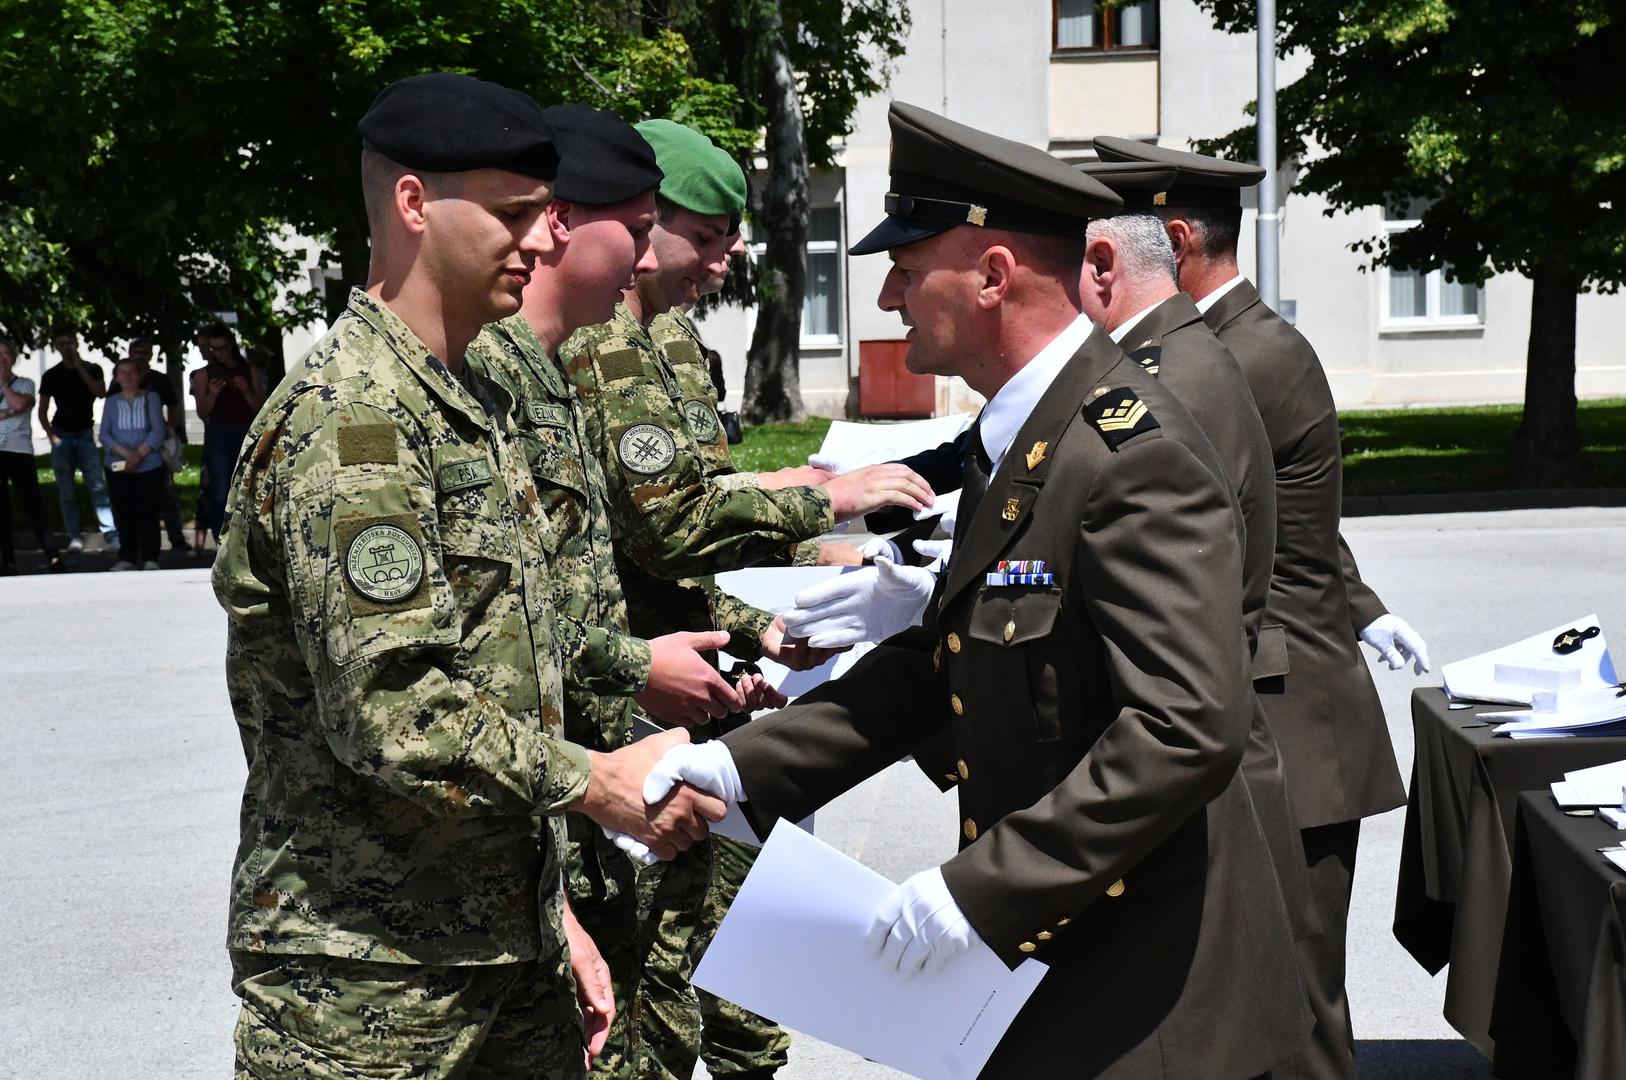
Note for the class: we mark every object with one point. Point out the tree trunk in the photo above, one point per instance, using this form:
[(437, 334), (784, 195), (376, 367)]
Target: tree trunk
[(1547, 443), (773, 388)]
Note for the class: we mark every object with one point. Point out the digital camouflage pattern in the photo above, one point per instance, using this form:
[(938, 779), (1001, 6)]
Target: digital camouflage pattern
[(403, 737), (329, 1018), (603, 662), (734, 1041)]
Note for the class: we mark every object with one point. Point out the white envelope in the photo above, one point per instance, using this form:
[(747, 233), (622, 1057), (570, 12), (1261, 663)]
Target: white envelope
[(1512, 674)]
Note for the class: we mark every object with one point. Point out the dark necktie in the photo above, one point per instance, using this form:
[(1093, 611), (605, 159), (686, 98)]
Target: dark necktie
[(975, 473)]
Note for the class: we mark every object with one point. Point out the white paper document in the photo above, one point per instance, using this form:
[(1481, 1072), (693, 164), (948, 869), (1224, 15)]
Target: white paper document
[(857, 445), (774, 588), (1599, 785), (1515, 674), (1592, 712), (792, 948)]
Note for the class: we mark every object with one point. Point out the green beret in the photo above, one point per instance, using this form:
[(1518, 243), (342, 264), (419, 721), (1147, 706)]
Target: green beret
[(700, 176)]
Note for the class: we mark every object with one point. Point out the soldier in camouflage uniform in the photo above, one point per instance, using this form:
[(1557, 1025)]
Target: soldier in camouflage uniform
[(672, 523), (395, 902), (600, 219)]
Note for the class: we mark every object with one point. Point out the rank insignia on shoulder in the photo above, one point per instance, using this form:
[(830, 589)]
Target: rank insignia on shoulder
[(1148, 356), (1119, 415)]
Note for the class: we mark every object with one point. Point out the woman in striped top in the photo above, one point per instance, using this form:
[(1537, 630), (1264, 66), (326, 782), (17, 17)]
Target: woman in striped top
[(132, 432)]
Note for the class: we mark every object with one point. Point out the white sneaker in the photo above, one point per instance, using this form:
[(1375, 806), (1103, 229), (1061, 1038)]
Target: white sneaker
[(76, 545), (151, 564), (122, 565)]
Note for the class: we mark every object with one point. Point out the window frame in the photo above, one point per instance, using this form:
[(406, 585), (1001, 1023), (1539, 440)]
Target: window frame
[(821, 247), (1431, 319), (1106, 24)]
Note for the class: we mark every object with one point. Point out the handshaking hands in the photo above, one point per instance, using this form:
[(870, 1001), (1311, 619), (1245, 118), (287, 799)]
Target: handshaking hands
[(707, 766)]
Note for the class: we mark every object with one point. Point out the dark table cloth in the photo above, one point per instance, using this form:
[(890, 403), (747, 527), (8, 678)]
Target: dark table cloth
[(1560, 1004), (1456, 853)]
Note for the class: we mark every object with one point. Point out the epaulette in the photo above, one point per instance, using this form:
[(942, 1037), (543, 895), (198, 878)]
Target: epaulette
[(1118, 414), (1148, 356)]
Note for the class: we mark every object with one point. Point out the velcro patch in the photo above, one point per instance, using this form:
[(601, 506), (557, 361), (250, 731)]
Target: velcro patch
[(1119, 415), (383, 562), (1149, 357), (684, 351), (545, 415), (457, 475), (622, 363), (367, 444)]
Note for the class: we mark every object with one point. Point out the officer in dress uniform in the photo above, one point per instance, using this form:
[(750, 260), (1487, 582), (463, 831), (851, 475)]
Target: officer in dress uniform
[(396, 905), (1316, 689), (1090, 659)]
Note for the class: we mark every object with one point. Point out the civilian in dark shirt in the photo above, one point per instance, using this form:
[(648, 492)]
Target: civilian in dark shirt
[(229, 393), (75, 385)]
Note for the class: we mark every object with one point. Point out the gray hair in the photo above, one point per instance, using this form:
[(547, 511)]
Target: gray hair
[(1143, 244)]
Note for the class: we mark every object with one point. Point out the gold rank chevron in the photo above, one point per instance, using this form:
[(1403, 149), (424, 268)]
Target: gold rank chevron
[(1122, 417)]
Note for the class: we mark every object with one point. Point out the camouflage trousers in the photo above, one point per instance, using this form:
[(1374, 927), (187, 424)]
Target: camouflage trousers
[(327, 1018), (613, 926), (684, 901)]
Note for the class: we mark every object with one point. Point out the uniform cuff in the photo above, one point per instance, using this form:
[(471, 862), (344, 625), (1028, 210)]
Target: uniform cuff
[(565, 773)]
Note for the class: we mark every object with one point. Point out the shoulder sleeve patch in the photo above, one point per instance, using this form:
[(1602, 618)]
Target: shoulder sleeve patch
[(623, 363), (1149, 357), (383, 560), (1119, 415), (367, 444)]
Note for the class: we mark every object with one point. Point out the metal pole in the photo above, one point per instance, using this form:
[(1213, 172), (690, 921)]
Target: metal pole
[(1269, 226)]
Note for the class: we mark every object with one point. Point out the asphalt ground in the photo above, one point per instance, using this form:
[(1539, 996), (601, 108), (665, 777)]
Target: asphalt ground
[(120, 774)]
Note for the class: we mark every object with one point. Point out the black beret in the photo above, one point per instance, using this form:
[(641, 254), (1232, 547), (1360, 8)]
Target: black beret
[(602, 158), (455, 123), (1203, 180), (946, 174), (1141, 185)]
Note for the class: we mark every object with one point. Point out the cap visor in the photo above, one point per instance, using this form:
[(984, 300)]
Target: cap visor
[(896, 232)]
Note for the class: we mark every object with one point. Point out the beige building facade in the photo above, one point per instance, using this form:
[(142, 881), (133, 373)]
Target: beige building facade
[(1056, 73)]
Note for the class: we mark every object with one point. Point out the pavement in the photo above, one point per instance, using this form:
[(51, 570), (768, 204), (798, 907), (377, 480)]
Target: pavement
[(120, 774)]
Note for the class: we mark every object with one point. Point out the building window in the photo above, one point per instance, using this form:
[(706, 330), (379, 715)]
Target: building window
[(1415, 299), (1083, 26), (821, 305)]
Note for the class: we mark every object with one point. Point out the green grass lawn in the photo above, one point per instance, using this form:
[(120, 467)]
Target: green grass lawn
[(1387, 452)]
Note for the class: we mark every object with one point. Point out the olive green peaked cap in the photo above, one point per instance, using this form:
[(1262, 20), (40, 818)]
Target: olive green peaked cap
[(946, 174), (1203, 180), (1142, 186)]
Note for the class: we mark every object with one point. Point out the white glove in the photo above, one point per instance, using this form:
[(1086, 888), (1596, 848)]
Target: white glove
[(936, 550), (869, 604), (708, 766), (1396, 642), (636, 850), (919, 927), (879, 547), (828, 464)]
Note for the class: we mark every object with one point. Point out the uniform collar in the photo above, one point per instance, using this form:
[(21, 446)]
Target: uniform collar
[(543, 364), (1129, 324), (1010, 407), (416, 356), (1214, 297)]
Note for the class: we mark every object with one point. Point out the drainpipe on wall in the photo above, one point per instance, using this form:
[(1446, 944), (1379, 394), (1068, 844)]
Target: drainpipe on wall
[(1269, 226)]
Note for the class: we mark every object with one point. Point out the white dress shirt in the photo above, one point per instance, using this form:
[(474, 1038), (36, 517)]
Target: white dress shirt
[(1130, 323), (1213, 298), (1004, 416)]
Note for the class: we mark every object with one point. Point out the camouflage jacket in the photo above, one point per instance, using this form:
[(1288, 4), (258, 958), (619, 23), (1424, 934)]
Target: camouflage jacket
[(670, 521), (603, 662), (390, 665)]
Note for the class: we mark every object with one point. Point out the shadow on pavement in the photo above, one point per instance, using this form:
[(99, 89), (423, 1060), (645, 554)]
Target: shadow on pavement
[(1419, 1059)]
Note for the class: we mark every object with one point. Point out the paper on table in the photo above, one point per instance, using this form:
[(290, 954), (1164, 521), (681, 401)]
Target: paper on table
[(792, 948), (1616, 857), (1599, 785), (733, 826), (1593, 712), (774, 588), (1477, 678)]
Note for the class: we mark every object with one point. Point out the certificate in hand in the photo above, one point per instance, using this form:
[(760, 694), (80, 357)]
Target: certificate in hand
[(792, 948)]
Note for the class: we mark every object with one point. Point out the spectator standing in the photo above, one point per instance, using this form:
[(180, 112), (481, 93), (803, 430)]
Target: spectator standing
[(228, 393), (17, 463), (75, 385), (132, 433), (169, 511)]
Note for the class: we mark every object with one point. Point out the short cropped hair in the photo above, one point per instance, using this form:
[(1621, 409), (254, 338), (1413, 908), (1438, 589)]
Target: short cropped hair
[(1142, 244), (1215, 230)]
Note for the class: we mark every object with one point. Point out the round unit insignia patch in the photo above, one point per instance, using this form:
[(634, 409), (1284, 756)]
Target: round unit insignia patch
[(646, 448), (702, 420), (384, 563)]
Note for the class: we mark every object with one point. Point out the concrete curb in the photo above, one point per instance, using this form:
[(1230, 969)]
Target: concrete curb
[(1468, 502)]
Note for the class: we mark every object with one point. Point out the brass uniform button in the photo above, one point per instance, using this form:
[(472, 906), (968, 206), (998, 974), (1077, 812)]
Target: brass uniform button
[(1044, 935), (1064, 920), (1116, 888), (954, 642), (1027, 946), (956, 704), (951, 778), (1010, 630), (963, 769), (970, 829)]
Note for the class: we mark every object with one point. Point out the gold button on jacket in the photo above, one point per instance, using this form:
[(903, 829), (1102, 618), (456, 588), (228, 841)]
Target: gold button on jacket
[(954, 642), (957, 705), (970, 829), (1027, 946), (1116, 888)]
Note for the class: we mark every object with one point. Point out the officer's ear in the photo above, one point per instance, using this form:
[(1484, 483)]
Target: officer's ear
[(995, 268), (1181, 238), (1100, 264)]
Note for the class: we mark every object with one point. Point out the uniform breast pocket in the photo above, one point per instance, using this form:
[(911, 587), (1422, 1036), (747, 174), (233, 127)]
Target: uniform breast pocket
[(1021, 650), (478, 552), (561, 482)]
